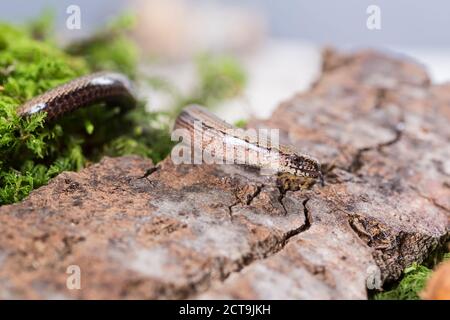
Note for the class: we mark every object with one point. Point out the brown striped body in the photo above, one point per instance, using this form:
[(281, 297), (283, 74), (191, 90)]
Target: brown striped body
[(97, 87), (256, 150), (217, 136)]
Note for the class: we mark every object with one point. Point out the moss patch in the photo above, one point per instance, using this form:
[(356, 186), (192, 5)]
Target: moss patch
[(413, 282), (32, 152)]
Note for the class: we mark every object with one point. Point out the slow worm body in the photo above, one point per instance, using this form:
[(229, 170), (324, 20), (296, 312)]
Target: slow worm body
[(109, 87), (116, 89), (221, 140)]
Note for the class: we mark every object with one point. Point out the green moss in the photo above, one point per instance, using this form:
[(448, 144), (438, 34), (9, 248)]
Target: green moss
[(32, 152), (28, 68), (409, 287), (110, 48), (241, 123), (41, 28), (219, 78), (413, 282)]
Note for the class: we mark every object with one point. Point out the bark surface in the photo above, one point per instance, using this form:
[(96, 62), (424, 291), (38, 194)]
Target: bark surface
[(221, 231)]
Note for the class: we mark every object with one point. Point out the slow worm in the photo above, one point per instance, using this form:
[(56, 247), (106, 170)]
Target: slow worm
[(116, 89), (109, 87), (219, 137)]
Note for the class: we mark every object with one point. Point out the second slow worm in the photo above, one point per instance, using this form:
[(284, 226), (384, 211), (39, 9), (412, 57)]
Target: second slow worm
[(117, 89), (109, 87)]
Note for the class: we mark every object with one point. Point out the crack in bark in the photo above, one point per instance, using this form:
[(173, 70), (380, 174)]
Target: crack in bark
[(150, 171), (369, 230), (431, 199), (280, 200), (230, 208), (247, 202), (440, 206), (258, 252), (390, 250), (69, 242), (306, 225), (357, 162), (255, 194)]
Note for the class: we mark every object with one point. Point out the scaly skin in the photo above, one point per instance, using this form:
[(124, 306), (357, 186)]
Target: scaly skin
[(81, 92), (215, 134)]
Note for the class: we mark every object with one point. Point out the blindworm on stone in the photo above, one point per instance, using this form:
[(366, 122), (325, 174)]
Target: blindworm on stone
[(116, 89), (255, 150)]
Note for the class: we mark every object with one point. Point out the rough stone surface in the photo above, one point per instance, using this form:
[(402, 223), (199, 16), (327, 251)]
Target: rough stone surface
[(203, 231)]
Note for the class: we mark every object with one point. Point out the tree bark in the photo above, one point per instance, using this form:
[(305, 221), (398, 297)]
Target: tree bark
[(222, 231)]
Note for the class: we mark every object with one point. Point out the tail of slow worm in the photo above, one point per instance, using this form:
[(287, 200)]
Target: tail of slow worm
[(83, 91)]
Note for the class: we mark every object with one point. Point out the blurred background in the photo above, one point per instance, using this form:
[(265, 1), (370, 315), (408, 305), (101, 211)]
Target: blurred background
[(277, 43)]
